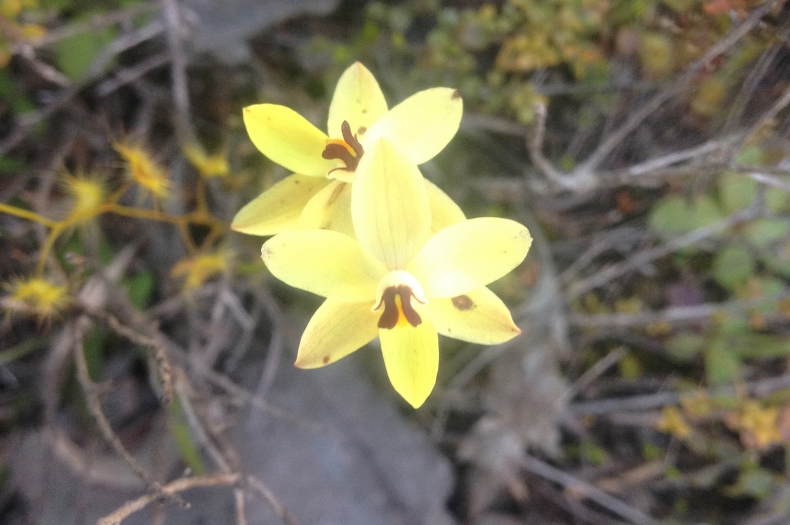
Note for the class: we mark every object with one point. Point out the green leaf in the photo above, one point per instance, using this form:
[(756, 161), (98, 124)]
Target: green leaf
[(759, 346), (675, 215), (75, 54), (732, 265), (736, 191), (139, 289), (669, 214), (592, 452), (630, 367), (777, 200), (755, 482), (93, 346), (189, 452), (778, 261), (721, 364), (685, 346), (750, 155), (763, 232)]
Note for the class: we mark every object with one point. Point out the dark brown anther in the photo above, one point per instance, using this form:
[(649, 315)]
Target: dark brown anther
[(351, 139), (338, 151), (334, 150), (389, 318)]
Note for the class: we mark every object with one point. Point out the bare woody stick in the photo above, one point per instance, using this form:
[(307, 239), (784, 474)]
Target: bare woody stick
[(171, 490), (94, 405)]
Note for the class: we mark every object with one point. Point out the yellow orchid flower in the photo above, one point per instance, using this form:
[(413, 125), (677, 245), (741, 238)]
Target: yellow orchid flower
[(318, 194), (397, 280)]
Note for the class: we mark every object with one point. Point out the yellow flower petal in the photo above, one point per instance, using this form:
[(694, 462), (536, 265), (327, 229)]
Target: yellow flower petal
[(389, 206), (422, 125), (288, 139), (478, 316), (411, 355), (278, 208), (323, 262), (444, 210), (335, 330), (469, 255), (329, 209), (358, 99)]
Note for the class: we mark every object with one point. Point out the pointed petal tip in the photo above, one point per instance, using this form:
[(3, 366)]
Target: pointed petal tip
[(308, 364), (416, 403)]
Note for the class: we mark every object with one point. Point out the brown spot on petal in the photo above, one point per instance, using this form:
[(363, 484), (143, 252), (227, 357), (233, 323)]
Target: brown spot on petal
[(456, 95), (463, 302), (326, 359), (362, 130)]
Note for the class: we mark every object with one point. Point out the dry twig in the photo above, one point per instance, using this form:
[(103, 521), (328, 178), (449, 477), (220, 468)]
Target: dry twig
[(641, 258), (171, 489), (755, 389), (584, 489), (678, 314), (583, 178), (94, 405), (263, 491)]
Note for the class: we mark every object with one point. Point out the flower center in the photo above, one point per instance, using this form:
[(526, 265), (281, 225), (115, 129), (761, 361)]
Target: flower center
[(348, 150), (397, 308), (395, 293)]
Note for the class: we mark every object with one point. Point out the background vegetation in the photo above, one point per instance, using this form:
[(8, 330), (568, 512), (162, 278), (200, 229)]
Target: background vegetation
[(646, 144)]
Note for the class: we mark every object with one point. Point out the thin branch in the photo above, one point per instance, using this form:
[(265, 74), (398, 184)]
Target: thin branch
[(614, 239), (127, 76), (757, 73), (769, 180), (582, 179), (781, 103), (178, 72), (582, 488), (263, 491), (196, 425), (535, 148), (94, 405), (96, 68), (156, 349), (679, 314), (593, 373), (755, 389), (171, 489), (640, 259), (95, 23), (610, 143)]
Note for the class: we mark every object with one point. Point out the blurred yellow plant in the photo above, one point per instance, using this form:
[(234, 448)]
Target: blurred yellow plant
[(200, 268), (208, 166), (13, 30), (88, 194), (757, 425), (143, 169), (36, 296), (672, 422)]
